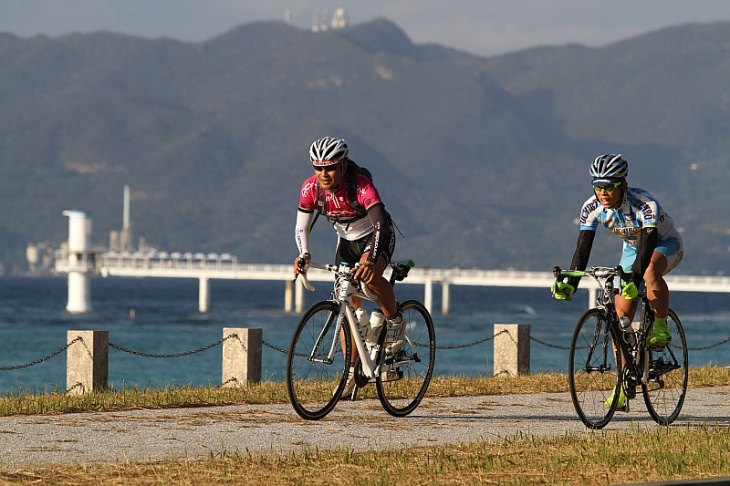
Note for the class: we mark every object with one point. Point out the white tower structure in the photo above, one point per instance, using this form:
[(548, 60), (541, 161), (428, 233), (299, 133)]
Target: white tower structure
[(80, 262), (125, 242), (339, 19)]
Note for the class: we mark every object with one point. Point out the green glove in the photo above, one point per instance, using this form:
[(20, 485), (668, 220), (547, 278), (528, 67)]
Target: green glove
[(629, 290), (562, 291)]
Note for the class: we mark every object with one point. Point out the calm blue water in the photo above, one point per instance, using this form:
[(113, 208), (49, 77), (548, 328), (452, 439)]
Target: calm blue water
[(33, 325)]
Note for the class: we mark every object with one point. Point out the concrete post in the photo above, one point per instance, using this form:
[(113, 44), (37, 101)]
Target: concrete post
[(87, 361), (511, 349), (241, 356)]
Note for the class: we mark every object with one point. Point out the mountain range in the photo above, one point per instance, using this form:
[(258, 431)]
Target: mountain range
[(483, 162)]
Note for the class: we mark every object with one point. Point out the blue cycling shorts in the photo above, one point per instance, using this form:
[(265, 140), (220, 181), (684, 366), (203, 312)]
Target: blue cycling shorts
[(672, 249)]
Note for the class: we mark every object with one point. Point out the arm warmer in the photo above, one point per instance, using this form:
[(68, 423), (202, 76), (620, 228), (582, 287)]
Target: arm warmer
[(301, 230), (647, 244), (581, 255), (382, 231)]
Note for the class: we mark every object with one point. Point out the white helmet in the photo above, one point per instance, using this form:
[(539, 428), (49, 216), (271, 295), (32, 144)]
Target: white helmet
[(328, 149), (609, 168)]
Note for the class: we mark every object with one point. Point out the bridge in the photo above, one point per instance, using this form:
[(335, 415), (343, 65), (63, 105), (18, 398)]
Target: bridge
[(206, 267)]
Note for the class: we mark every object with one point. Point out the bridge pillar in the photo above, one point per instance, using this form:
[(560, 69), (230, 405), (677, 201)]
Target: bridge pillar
[(428, 295), (299, 296), (288, 296), (511, 349), (204, 295), (445, 297)]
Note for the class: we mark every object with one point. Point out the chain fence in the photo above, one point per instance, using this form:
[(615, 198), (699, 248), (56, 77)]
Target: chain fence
[(285, 351)]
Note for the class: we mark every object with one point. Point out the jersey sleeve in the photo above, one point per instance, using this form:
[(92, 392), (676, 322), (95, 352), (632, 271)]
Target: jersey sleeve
[(589, 214), (367, 194), (648, 212), (308, 195)]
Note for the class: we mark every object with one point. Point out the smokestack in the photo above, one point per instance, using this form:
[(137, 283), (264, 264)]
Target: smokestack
[(125, 215)]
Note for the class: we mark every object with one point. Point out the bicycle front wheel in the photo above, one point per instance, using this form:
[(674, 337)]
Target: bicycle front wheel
[(593, 371), (406, 376), (668, 372), (317, 364)]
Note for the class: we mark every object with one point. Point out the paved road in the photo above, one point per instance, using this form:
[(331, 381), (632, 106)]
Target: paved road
[(142, 435)]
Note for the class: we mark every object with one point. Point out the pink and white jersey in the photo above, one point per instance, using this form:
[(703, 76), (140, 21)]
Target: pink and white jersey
[(337, 208)]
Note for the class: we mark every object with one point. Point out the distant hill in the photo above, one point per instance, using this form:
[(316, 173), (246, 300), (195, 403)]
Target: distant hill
[(482, 161)]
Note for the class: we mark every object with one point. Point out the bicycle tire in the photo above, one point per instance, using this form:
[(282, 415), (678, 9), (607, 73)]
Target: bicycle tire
[(668, 375), (593, 370), (401, 389), (315, 386)]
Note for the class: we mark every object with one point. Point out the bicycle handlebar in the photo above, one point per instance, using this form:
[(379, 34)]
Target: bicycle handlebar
[(595, 272), (400, 270)]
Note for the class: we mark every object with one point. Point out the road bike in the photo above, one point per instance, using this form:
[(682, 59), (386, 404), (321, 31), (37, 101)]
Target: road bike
[(319, 357), (604, 356)]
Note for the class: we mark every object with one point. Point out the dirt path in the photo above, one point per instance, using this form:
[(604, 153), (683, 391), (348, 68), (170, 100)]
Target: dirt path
[(143, 435)]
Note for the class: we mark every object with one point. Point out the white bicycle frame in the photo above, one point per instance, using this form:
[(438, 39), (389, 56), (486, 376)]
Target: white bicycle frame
[(345, 291)]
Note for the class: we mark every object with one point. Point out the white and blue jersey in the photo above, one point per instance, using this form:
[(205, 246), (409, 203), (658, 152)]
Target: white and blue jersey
[(638, 210)]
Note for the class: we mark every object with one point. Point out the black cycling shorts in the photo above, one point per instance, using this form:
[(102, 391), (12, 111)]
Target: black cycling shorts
[(351, 251)]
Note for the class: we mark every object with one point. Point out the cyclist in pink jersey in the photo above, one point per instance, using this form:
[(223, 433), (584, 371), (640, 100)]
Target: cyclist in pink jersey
[(352, 204)]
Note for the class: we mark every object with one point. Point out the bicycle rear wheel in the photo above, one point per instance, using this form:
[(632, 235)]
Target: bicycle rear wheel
[(314, 379), (593, 371), (668, 373), (403, 384)]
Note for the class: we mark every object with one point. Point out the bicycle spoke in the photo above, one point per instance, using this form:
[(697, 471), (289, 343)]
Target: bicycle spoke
[(406, 377), (316, 362), (668, 373), (593, 372)]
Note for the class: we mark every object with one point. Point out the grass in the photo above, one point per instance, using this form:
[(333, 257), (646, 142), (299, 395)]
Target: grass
[(24, 402), (658, 454)]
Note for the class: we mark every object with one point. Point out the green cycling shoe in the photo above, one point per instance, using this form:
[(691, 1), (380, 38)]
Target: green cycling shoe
[(660, 335), (621, 400)]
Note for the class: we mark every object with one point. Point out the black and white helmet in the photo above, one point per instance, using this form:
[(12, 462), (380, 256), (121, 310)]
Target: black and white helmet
[(609, 166), (328, 149)]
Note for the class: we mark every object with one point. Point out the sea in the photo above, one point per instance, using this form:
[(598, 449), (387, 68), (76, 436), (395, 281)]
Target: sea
[(159, 316)]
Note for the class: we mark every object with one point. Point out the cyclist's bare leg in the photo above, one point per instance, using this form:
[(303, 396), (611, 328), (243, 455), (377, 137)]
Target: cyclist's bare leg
[(625, 307), (372, 275), (657, 290)]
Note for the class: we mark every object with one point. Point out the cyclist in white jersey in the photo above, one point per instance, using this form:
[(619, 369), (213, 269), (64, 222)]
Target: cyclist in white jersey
[(652, 246), (350, 201)]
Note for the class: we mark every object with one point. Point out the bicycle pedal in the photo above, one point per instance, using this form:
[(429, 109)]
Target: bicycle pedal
[(391, 375), (352, 396)]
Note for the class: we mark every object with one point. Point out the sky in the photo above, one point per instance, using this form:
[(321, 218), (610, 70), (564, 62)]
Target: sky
[(481, 27)]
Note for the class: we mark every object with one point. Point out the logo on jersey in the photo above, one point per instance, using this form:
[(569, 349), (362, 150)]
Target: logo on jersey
[(588, 209)]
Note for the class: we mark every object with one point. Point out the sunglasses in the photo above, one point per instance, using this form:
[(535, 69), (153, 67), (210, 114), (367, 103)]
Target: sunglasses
[(608, 188), (326, 168)]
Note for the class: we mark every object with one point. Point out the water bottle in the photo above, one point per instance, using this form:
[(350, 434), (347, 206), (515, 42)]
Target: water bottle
[(628, 330), (376, 324), (363, 321)]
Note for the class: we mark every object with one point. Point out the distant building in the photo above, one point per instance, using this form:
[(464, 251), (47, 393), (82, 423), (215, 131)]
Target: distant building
[(40, 257), (320, 23), (339, 19)]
